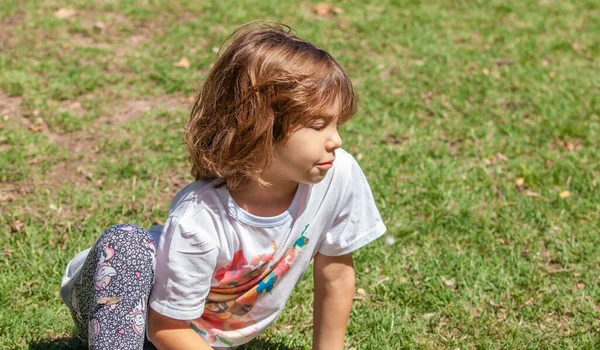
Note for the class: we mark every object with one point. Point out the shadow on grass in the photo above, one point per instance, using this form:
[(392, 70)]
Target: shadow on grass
[(257, 344), (59, 343), (76, 343)]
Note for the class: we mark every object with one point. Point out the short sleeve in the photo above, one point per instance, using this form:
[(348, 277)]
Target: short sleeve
[(185, 261), (357, 221)]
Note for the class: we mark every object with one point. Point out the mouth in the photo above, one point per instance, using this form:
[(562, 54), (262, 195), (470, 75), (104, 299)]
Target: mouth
[(325, 165), (327, 162)]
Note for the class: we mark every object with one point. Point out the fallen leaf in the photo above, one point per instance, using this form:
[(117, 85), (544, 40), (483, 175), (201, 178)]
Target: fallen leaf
[(448, 282), (64, 12), (361, 292), (27, 285), (322, 9), (531, 194), (504, 62), (559, 270), (493, 303), (501, 157), (110, 300), (429, 315), (420, 62), (36, 128), (182, 63), (568, 145), (99, 26), (81, 170), (17, 226), (578, 286), (402, 279), (564, 194), (392, 139), (519, 184), (337, 10), (528, 302), (380, 281), (548, 163), (7, 251)]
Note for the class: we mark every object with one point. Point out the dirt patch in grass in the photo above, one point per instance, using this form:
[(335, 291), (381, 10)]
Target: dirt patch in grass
[(7, 25), (83, 149), (106, 28), (83, 145), (72, 106), (10, 108), (131, 110), (10, 113)]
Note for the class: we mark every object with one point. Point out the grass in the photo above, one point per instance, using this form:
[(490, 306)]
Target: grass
[(474, 118)]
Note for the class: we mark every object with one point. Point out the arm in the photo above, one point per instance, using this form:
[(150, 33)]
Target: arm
[(170, 334), (334, 291)]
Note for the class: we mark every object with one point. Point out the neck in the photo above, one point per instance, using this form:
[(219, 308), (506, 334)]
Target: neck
[(263, 200)]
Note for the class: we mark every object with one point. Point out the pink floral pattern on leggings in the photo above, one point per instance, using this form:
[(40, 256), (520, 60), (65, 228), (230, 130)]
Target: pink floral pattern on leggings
[(109, 298)]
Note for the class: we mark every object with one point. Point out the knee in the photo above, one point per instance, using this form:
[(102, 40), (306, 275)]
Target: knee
[(131, 238), (126, 231)]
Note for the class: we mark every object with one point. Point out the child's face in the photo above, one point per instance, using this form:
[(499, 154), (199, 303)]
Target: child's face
[(307, 154)]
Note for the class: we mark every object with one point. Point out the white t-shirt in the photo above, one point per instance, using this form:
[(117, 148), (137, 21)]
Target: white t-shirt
[(229, 273)]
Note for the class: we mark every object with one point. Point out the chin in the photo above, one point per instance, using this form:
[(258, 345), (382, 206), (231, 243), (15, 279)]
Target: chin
[(314, 180)]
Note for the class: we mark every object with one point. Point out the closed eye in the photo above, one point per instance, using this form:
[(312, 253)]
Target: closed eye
[(318, 124)]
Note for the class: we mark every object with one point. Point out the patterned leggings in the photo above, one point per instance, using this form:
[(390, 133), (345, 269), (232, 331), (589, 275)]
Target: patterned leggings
[(109, 298)]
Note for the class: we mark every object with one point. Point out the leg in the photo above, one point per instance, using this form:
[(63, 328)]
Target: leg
[(110, 295)]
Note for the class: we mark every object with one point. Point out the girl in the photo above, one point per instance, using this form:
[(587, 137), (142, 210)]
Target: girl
[(273, 191)]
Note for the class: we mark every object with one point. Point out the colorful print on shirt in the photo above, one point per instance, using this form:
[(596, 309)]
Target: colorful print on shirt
[(240, 285)]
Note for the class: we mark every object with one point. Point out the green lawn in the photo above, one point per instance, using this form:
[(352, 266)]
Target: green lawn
[(478, 128)]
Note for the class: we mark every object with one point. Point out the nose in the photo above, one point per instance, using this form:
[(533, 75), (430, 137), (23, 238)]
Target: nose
[(335, 141)]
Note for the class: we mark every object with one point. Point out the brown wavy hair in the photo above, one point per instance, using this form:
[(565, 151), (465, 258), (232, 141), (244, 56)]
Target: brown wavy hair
[(265, 83)]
